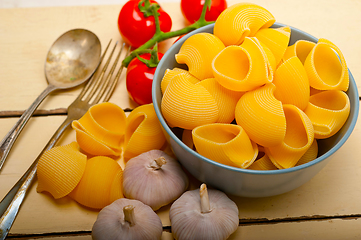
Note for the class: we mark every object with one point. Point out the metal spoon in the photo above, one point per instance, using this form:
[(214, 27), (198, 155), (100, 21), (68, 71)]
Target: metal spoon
[(71, 60)]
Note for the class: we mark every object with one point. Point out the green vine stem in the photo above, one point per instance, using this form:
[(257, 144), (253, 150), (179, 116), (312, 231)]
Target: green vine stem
[(161, 36)]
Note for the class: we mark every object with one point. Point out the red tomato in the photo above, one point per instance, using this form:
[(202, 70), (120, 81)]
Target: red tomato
[(139, 80), (137, 29), (192, 9)]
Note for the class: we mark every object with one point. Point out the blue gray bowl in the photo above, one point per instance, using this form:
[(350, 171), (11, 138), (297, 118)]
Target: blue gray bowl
[(244, 182)]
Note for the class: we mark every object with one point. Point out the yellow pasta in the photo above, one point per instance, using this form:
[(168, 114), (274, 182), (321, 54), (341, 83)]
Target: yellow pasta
[(263, 163), (240, 21), (187, 105), (310, 155), (261, 116), (60, 169), (143, 132), (326, 67), (328, 111), (292, 86), (170, 73), (225, 143), (197, 52), (101, 130), (300, 49), (298, 139), (244, 67), (226, 99)]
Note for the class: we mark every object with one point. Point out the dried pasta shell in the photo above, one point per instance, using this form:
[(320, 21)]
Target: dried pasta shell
[(261, 116), (298, 139), (143, 132), (60, 169), (187, 105), (276, 39), (328, 111), (300, 49), (292, 86), (169, 74), (240, 21), (226, 99), (326, 67), (225, 143), (263, 163), (310, 155), (101, 130), (101, 183), (244, 67), (197, 52)]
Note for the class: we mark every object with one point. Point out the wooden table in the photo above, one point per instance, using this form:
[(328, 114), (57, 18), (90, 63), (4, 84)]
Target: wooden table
[(327, 207)]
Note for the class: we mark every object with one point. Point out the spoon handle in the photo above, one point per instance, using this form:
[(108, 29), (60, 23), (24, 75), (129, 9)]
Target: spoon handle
[(8, 141)]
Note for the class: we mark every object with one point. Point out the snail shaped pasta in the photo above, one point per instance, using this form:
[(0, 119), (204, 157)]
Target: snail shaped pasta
[(170, 73), (263, 163), (298, 139), (328, 111), (292, 86), (187, 105), (60, 169), (326, 67), (261, 115), (310, 154), (101, 130), (101, 183), (143, 132), (197, 52), (244, 67), (225, 143), (241, 20), (300, 49)]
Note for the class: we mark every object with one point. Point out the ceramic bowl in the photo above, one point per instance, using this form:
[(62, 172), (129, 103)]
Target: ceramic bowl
[(244, 182)]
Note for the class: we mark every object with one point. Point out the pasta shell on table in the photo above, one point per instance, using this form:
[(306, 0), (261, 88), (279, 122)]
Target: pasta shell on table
[(292, 86), (244, 67), (226, 99), (170, 73), (225, 143), (263, 163), (300, 49), (187, 105), (261, 115), (310, 154), (241, 20), (326, 67), (197, 52), (60, 169), (101, 183), (276, 39), (298, 139), (328, 111), (101, 130)]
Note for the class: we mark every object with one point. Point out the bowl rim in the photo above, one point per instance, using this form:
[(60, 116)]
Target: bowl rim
[(156, 105)]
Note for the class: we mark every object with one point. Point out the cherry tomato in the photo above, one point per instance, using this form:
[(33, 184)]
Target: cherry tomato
[(192, 9), (135, 28), (139, 79)]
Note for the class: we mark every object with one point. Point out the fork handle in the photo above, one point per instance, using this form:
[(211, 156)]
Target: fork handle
[(12, 135), (9, 206)]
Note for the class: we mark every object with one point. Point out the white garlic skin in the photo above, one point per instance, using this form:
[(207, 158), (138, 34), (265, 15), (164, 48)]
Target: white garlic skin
[(188, 223), (110, 223), (155, 188)]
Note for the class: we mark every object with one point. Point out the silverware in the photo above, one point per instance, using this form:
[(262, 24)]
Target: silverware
[(71, 60), (96, 90)]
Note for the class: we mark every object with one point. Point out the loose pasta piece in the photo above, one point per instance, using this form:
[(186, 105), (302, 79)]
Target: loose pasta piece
[(101, 129), (263, 163), (240, 21), (300, 49), (101, 183), (261, 116), (60, 169), (225, 143), (298, 139), (276, 39), (187, 105), (197, 52), (226, 99), (292, 86), (143, 132), (244, 67), (326, 67), (170, 73), (310, 155), (328, 111)]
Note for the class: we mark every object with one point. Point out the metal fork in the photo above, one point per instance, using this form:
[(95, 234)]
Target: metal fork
[(97, 89)]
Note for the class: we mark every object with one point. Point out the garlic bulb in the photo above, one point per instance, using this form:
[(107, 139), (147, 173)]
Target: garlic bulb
[(127, 219), (154, 178), (203, 214)]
